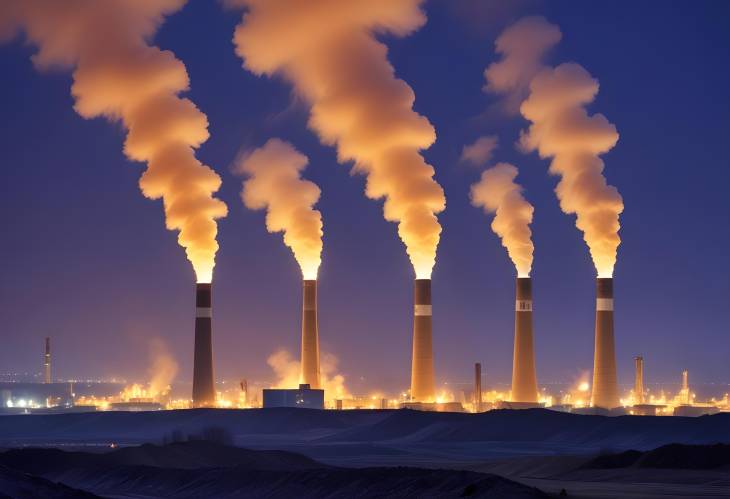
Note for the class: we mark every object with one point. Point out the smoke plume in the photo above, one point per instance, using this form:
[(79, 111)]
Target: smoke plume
[(561, 129), (522, 47), (288, 370), (163, 368), (327, 49), (498, 193), (480, 151), (119, 75), (275, 184)]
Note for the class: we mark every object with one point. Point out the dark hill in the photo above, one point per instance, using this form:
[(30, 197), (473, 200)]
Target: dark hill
[(204, 469), (18, 485), (673, 456)]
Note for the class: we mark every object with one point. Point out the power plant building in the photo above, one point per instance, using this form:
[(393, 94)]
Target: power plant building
[(302, 397)]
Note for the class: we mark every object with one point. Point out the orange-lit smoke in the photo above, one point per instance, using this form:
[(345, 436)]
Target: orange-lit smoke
[(119, 75), (163, 368), (288, 370), (562, 129), (328, 51), (480, 151), (275, 184), (522, 47), (498, 193)]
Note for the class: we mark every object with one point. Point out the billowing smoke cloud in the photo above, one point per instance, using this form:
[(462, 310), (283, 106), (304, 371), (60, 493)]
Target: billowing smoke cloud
[(288, 370), (119, 75), (522, 47), (498, 193), (561, 129), (163, 368), (480, 151), (328, 51), (275, 184)]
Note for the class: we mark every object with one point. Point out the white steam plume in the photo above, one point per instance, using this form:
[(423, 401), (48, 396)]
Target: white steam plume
[(522, 46), (561, 129), (275, 184), (498, 193), (328, 51), (119, 75)]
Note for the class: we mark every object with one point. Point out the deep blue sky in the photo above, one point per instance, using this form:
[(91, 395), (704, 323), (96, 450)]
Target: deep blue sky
[(86, 259)]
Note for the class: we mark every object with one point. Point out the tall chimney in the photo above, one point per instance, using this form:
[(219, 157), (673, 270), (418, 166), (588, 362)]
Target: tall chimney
[(310, 335), (605, 387), (639, 382), (203, 383), (477, 387), (423, 385), (685, 387), (524, 380), (47, 362)]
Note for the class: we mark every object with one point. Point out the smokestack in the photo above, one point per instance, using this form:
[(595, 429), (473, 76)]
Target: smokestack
[(310, 335), (605, 387), (423, 387), (477, 387), (685, 387), (203, 384), (639, 382), (524, 380), (47, 362)]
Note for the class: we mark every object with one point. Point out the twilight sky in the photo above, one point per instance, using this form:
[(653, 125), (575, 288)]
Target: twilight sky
[(86, 258)]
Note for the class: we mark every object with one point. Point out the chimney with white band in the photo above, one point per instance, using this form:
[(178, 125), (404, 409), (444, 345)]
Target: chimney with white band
[(524, 380), (605, 387), (423, 385), (310, 336), (47, 362), (203, 382)]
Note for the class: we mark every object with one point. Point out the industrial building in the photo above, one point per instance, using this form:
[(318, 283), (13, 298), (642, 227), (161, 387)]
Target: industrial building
[(302, 397)]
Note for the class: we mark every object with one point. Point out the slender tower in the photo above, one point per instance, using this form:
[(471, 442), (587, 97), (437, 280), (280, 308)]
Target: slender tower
[(687, 398), (639, 382), (477, 387), (423, 385), (605, 387), (524, 380), (203, 383), (310, 335), (47, 362)]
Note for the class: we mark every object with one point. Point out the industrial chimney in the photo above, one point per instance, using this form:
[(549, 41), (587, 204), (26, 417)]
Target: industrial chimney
[(605, 387), (685, 388), (477, 387), (423, 387), (310, 336), (47, 362), (524, 380), (639, 382), (203, 383)]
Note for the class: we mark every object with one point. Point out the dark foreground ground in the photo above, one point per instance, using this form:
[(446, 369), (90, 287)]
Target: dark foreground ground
[(447, 454)]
